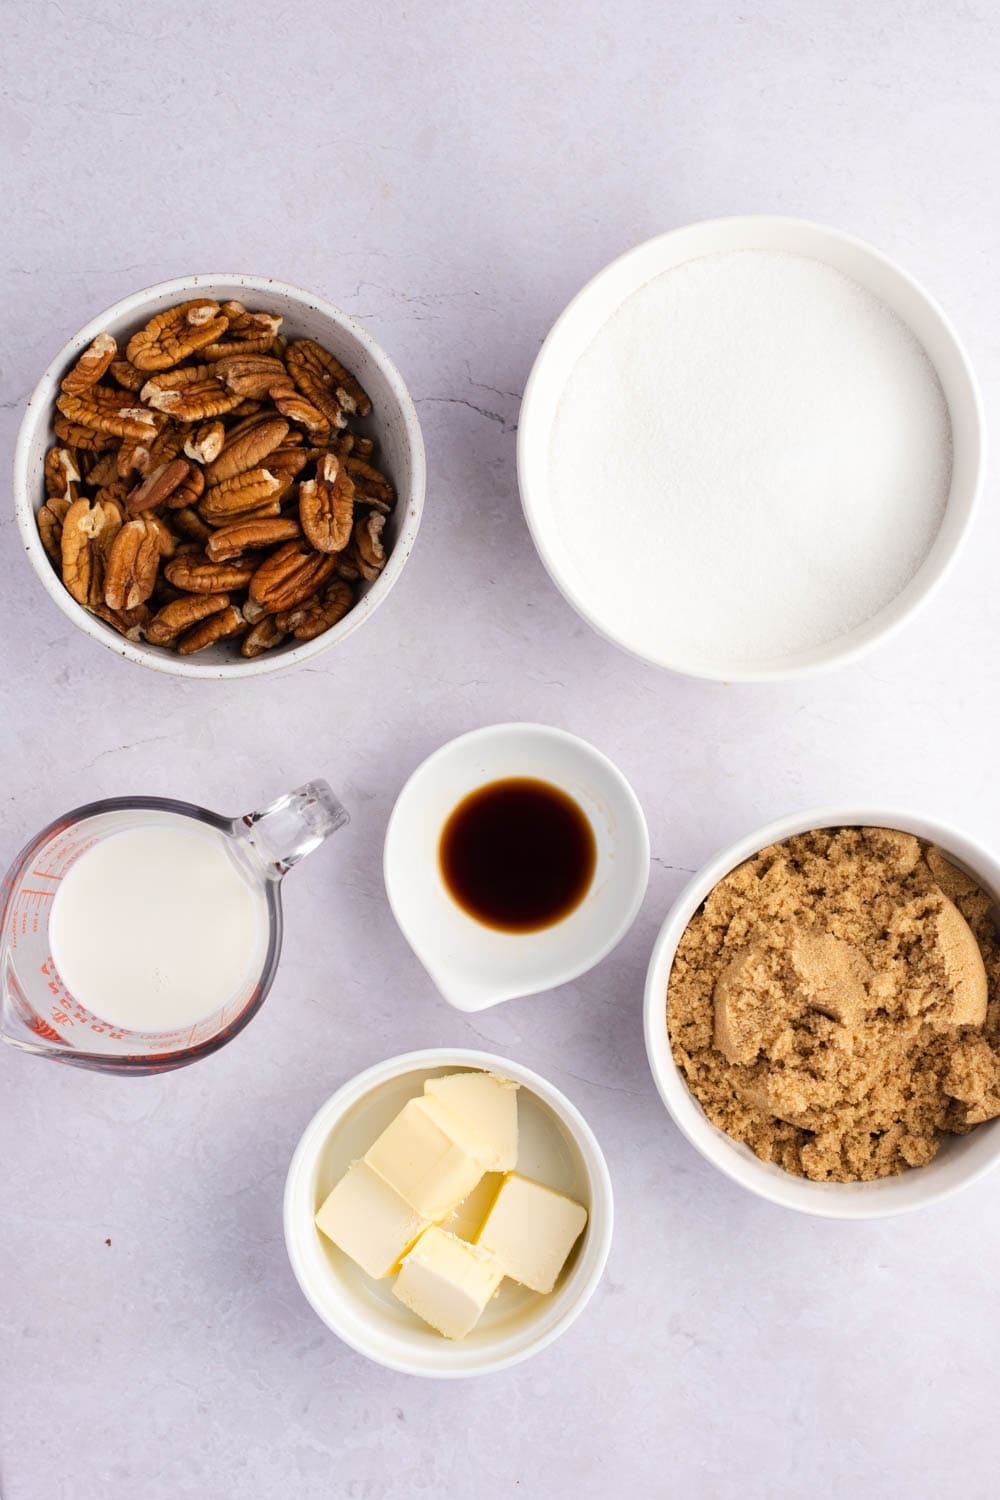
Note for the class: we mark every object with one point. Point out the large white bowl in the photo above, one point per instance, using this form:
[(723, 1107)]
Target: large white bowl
[(961, 1159), (393, 423), (557, 1147), (601, 297)]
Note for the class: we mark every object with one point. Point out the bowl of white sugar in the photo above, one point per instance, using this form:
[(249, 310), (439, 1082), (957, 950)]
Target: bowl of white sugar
[(749, 449)]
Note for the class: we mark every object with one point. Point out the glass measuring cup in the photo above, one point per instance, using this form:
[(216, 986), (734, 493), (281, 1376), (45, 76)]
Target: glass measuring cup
[(37, 1012)]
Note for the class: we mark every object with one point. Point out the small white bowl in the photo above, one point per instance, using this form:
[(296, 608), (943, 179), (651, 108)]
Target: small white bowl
[(602, 296), (475, 966), (961, 1159), (557, 1147), (393, 423)]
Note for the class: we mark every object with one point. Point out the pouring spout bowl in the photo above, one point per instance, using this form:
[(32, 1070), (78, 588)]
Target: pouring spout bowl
[(475, 966)]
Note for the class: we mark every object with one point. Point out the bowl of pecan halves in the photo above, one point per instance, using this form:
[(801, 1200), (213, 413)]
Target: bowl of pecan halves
[(219, 476)]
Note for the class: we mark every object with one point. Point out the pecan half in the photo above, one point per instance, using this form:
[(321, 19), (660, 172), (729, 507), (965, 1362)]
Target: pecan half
[(165, 538), (297, 408), (50, 525), (61, 473), (190, 525), (250, 325), (324, 380), (258, 343), (126, 375), (180, 615), (308, 620), (368, 551), (250, 536), (158, 486), (77, 436), (86, 527), (247, 447), (124, 422), (245, 494), (249, 374), (103, 469), (326, 505), (285, 463), (195, 401), (167, 446), (128, 622), (370, 486), (263, 636), (132, 565), (253, 612), (345, 443), (172, 335), (248, 408), (92, 364), (132, 458), (205, 444), (289, 576), (228, 622), (102, 545), (197, 574), (115, 492), (190, 489)]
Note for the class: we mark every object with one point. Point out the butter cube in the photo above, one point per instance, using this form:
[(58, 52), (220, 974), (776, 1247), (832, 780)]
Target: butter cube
[(466, 1219), (489, 1104), (430, 1156), (369, 1221), (447, 1282), (531, 1229)]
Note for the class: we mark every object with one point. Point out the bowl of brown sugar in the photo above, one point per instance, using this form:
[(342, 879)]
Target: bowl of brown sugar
[(823, 1012)]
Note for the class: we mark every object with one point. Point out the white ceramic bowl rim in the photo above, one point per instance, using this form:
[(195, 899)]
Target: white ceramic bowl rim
[(38, 410), (939, 560), (911, 1190), (584, 1276)]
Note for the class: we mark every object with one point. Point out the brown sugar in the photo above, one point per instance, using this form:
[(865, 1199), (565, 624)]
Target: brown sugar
[(835, 1003)]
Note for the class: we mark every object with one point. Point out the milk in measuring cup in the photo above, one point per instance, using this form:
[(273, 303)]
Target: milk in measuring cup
[(155, 928)]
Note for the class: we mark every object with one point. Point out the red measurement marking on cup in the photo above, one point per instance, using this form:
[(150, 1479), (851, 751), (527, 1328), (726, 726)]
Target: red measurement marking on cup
[(43, 1029), (46, 875)]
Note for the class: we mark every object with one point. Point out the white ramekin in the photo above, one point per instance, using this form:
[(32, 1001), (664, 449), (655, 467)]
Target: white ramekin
[(393, 423), (599, 299), (475, 966), (347, 1301), (961, 1159)]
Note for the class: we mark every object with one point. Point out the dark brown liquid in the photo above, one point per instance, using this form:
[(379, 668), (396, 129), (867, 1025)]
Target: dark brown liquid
[(518, 855)]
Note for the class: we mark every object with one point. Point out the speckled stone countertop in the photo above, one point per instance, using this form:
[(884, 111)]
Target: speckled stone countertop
[(451, 177)]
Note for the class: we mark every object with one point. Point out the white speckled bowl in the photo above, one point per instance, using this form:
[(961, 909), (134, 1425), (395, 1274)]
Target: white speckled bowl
[(557, 1147), (393, 423), (962, 1158)]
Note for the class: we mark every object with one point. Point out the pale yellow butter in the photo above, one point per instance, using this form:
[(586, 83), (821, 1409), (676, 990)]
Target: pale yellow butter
[(447, 1282), (369, 1221), (488, 1103), (466, 1218), (530, 1230), (430, 1156)]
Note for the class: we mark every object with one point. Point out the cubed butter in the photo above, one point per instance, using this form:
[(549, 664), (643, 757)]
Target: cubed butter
[(430, 1156), (489, 1105), (370, 1221), (530, 1230), (447, 1282), (466, 1218)]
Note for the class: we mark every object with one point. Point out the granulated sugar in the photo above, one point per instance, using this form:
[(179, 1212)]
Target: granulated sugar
[(750, 459)]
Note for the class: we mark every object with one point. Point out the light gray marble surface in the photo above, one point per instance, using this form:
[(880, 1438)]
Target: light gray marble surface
[(451, 176)]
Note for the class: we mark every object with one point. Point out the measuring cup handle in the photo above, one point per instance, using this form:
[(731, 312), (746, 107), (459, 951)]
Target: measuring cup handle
[(292, 826)]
